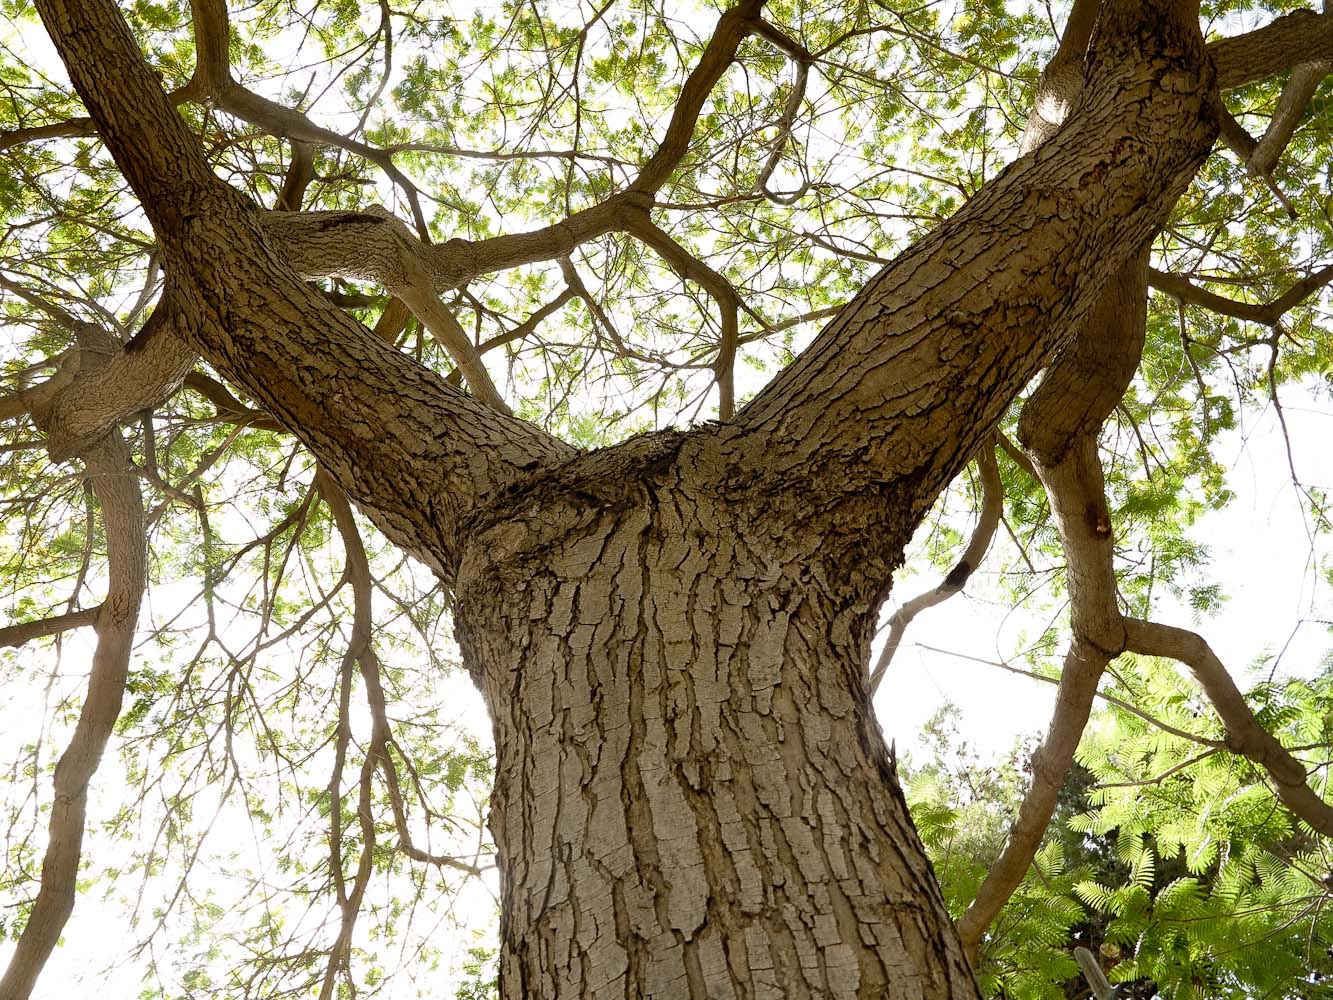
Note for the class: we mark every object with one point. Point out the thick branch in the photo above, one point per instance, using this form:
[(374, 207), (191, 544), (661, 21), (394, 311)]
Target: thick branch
[(902, 362), (309, 365), (116, 487), (1245, 735), (1062, 80), (245, 337), (1299, 37), (1059, 427), (731, 29), (1097, 636), (1296, 94)]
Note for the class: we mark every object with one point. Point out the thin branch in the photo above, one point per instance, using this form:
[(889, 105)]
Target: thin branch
[(720, 289), (1265, 313), (1110, 699), (988, 519)]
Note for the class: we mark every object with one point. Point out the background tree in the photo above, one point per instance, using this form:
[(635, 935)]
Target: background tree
[(601, 224)]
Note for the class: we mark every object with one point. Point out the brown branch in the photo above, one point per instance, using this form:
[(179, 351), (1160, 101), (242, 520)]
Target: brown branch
[(1299, 37), (360, 652), (575, 285), (1110, 699), (22, 632), (1097, 629), (1059, 426), (1062, 80), (1265, 313), (529, 325), (212, 81), (992, 506), (369, 244), (718, 55), (300, 172), (1082, 388), (1016, 454), (801, 59), (1291, 105), (1260, 156), (391, 321), (1092, 972), (227, 406), (361, 649), (445, 328), (1244, 734), (70, 129), (690, 268), (302, 360)]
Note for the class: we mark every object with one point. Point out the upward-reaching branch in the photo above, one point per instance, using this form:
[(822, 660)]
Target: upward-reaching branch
[(114, 483), (945, 335), (319, 372), (151, 143)]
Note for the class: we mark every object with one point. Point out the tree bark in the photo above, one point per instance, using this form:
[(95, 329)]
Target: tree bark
[(691, 798)]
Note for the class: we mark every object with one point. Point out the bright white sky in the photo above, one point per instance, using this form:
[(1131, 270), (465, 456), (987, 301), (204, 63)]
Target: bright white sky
[(1278, 604)]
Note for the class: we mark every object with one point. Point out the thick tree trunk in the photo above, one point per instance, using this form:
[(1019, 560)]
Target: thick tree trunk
[(692, 798)]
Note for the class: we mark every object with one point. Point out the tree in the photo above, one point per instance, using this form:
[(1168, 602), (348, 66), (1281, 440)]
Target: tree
[(671, 633)]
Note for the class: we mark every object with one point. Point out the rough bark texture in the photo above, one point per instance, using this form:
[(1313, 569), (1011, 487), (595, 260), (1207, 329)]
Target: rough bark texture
[(692, 799)]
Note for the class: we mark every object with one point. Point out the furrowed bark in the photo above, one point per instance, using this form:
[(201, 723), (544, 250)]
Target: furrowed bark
[(691, 797), (998, 287)]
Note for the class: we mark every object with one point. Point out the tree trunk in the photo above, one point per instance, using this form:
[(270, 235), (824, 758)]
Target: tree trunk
[(691, 797)]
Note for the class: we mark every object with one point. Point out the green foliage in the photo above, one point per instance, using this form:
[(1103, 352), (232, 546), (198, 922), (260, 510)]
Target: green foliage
[(1172, 862)]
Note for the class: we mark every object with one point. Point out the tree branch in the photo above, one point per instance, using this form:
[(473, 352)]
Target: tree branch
[(1299, 37), (116, 487), (176, 188), (23, 632), (1265, 313), (1291, 105), (992, 506), (308, 364), (690, 268), (900, 362), (1245, 735)]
